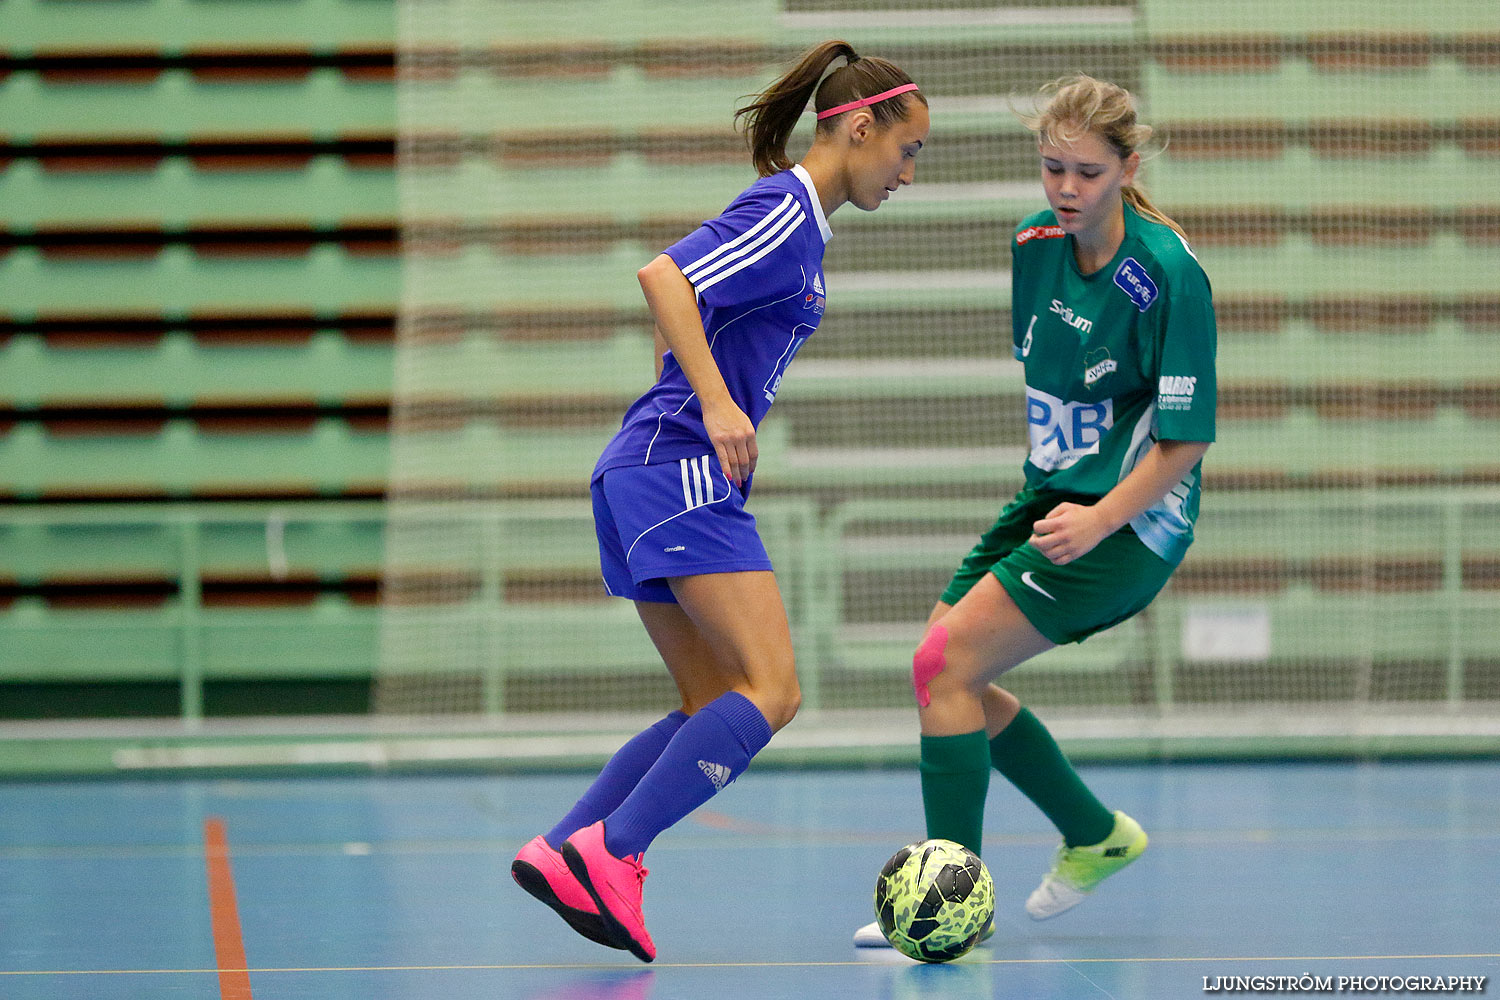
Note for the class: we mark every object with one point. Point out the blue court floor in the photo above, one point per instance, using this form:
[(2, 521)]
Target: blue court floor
[(399, 887)]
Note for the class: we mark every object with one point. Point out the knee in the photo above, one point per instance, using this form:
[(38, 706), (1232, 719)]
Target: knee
[(944, 666), (790, 702), (929, 661), (786, 697), (778, 703), (778, 695)]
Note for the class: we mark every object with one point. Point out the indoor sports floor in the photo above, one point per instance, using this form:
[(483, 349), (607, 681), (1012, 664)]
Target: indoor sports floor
[(398, 887)]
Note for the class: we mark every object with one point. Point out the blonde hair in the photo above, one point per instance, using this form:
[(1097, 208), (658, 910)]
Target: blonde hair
[(1080, 105)]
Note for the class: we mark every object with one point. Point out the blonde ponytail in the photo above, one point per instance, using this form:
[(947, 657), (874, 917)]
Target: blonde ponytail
[(1136, 199)]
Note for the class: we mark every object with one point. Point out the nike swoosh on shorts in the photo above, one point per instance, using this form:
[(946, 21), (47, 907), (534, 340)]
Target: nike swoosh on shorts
[(1026, 579)]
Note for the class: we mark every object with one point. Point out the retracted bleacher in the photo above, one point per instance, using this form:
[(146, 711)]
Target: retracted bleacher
[(224, 237)]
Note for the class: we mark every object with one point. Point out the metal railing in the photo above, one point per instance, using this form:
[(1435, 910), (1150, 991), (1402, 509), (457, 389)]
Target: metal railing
[(1446, 618)]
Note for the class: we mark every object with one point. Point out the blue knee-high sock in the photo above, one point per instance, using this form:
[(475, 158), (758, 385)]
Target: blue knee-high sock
[(619, 777), (710, 750)]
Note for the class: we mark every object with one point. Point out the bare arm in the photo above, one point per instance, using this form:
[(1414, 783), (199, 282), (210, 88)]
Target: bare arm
[(1072, 530), (674, 307)]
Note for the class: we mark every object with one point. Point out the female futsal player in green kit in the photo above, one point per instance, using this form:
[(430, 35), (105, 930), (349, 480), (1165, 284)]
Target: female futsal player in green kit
[(1112, 318)]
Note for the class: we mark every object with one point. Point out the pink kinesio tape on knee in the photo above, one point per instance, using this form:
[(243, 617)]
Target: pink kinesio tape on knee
[(928, 662)]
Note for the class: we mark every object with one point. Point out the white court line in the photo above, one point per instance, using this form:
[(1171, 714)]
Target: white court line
[(570, 966)]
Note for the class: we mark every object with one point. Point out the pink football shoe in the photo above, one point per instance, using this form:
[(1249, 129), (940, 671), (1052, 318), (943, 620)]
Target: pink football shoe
[(615, 885), (542, 872)]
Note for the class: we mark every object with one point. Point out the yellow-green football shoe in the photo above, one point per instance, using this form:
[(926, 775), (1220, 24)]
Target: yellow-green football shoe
[(1079, 870)]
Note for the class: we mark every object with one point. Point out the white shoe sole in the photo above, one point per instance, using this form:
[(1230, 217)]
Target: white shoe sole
[(1051, 899)]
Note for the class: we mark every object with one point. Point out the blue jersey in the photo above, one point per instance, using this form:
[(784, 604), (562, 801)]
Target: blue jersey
[(758, 273)]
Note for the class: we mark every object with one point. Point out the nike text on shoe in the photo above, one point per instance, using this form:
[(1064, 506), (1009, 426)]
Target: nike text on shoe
[(542, 872), (1078, 871), (615, 885), (869, 936)]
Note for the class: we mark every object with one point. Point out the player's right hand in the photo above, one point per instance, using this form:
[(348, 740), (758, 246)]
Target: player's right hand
[(733, 437)]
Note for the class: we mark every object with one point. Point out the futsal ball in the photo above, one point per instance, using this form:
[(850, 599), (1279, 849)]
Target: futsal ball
[(933, 899)]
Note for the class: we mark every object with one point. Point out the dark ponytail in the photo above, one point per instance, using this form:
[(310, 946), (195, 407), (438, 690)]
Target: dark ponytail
[(771, 117)]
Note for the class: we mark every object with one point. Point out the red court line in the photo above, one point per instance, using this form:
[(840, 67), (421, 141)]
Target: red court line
[(229, 943)]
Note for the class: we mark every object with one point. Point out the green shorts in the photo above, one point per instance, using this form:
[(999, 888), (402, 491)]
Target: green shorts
[(1064, 603)]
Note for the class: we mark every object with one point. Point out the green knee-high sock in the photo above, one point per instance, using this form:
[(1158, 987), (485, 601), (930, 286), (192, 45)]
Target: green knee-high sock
[(955, 780), (1030, 758)]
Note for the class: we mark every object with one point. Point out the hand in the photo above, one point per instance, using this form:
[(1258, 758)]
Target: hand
[(1070, 531), (733, 437)]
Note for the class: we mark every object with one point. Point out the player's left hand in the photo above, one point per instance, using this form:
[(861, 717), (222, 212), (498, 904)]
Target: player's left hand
[(1069, 531)]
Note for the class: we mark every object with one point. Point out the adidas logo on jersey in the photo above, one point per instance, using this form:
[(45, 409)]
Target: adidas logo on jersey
[(815, 299), (717, 773)]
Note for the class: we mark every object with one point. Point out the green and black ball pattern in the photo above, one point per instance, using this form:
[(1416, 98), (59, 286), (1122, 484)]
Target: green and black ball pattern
[(933, 899)]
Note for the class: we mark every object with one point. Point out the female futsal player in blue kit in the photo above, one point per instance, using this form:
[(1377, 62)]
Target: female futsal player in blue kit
[(732, 303)]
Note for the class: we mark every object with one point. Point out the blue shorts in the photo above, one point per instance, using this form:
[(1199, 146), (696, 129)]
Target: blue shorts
[(679, 518)]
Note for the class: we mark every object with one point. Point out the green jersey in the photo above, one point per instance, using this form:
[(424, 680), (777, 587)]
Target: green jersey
[(1115, 361)]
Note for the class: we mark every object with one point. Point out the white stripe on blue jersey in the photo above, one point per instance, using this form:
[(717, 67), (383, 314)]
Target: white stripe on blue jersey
[(780, 223), (794, 224), (748, 234)]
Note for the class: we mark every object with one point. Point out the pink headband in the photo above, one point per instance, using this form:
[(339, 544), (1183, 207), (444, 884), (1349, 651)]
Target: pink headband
[(865, 102)]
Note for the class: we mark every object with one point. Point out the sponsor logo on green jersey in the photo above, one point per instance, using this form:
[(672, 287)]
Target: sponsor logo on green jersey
[(1175, 392)]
